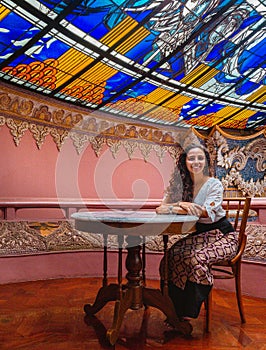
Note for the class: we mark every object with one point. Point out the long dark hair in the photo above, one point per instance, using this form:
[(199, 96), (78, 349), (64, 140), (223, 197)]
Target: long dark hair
[(181, 186)]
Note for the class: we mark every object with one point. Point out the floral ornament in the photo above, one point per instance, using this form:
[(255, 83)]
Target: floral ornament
[(250, 188)]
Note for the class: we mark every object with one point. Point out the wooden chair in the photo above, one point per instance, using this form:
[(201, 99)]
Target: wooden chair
[(237, 210)]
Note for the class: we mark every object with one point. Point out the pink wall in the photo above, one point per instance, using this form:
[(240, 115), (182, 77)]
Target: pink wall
[(89, 264), (27, 171)]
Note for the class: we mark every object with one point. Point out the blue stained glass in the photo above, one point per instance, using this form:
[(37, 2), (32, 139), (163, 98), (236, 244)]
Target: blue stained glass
[(60, 5), (116, 83), (248, 60), (138, 52), (15, 33), (226, 78), (232, 41), (93, 26), (259, 116), (103, 16), (253, 18), (204, 109), (246, 87), (140, 89), (18, 32), (91, 23), (23, 59)]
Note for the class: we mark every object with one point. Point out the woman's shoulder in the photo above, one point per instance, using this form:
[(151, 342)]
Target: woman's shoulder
[(213, 181)]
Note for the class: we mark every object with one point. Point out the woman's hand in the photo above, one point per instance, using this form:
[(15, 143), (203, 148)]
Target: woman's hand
[(192, 208), (164, 209), (178, 210), (172, 208)]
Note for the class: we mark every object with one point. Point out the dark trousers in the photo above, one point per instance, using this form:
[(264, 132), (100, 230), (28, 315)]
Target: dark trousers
[(188, 302)]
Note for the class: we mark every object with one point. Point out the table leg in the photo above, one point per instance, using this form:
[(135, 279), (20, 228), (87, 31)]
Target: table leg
[(121, 306), (134, 295), (105, 294)]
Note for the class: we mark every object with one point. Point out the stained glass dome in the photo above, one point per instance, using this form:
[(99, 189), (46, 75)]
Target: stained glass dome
[(168, 62)]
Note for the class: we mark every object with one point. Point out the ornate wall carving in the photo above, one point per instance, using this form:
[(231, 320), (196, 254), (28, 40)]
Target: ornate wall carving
[(21, 113), (23, 237), (240, 161), (232, 156)]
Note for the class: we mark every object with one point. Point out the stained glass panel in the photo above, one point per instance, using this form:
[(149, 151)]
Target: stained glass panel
[(186, 63)]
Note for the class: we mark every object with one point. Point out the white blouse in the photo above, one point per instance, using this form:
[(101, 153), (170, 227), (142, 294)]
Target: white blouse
[(210, 196)]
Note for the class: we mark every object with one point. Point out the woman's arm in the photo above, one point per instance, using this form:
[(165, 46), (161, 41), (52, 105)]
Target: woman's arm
[(194, 209), (212, 200), (167, 207)]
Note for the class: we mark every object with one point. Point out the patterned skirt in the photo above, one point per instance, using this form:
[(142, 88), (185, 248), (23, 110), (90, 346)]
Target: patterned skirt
[(190, 258)]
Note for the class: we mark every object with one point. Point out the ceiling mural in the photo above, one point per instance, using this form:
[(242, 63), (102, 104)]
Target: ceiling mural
[(167, 62)]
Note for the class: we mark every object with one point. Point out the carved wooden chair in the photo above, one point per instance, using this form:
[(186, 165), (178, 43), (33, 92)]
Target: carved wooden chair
[(237, 210)]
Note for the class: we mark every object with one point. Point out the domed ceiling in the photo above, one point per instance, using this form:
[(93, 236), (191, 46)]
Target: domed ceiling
[(176, 63)]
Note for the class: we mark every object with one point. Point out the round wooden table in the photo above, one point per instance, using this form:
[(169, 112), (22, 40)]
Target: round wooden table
[(134, 227)]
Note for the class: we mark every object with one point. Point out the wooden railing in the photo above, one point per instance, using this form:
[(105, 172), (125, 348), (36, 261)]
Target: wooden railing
[(9, 207)]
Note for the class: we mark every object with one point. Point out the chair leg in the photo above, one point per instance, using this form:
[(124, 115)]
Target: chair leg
[(208, 307), (238, 292)]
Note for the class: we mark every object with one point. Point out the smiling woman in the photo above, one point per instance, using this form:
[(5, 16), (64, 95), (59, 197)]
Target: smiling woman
[(192, 189)]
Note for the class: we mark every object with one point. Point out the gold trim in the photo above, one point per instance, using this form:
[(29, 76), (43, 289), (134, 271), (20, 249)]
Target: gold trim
[(235, 137)]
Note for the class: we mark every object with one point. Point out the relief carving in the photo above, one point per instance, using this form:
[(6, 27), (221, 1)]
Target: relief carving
[(22, 237), (160, 151), (79, 141), (97, 144), (130, 146), (5, 101), (19, 238), (42, 113), (17, 129), (247, 187), (235, 160), (97, 131), (59, 136), (2, 121), (145, 149), (39, 133), (114, 146)]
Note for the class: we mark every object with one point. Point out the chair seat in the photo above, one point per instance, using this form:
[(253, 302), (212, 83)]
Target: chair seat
[(238, 212), (223, 263)]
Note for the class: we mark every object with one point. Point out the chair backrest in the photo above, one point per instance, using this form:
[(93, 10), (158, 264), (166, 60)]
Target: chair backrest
[(237, 208)]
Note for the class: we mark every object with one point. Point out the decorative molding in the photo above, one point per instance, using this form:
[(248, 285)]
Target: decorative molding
[(234, 161), (79, 141), (249, 187), (145, 149), (114, 146), (59, 136), (21, 113), (39, 133), (2, 121), (160, 151), (17, 129), (97, 144), (21, 237), (256, 243), (130, 147)]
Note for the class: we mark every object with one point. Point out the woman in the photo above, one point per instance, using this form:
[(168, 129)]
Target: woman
[(193, 191)]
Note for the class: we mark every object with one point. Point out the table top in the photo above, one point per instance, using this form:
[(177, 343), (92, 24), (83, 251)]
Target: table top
[(132, 222)]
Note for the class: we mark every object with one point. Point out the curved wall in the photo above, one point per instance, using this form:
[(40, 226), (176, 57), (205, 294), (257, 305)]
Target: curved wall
[(27, 171)]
